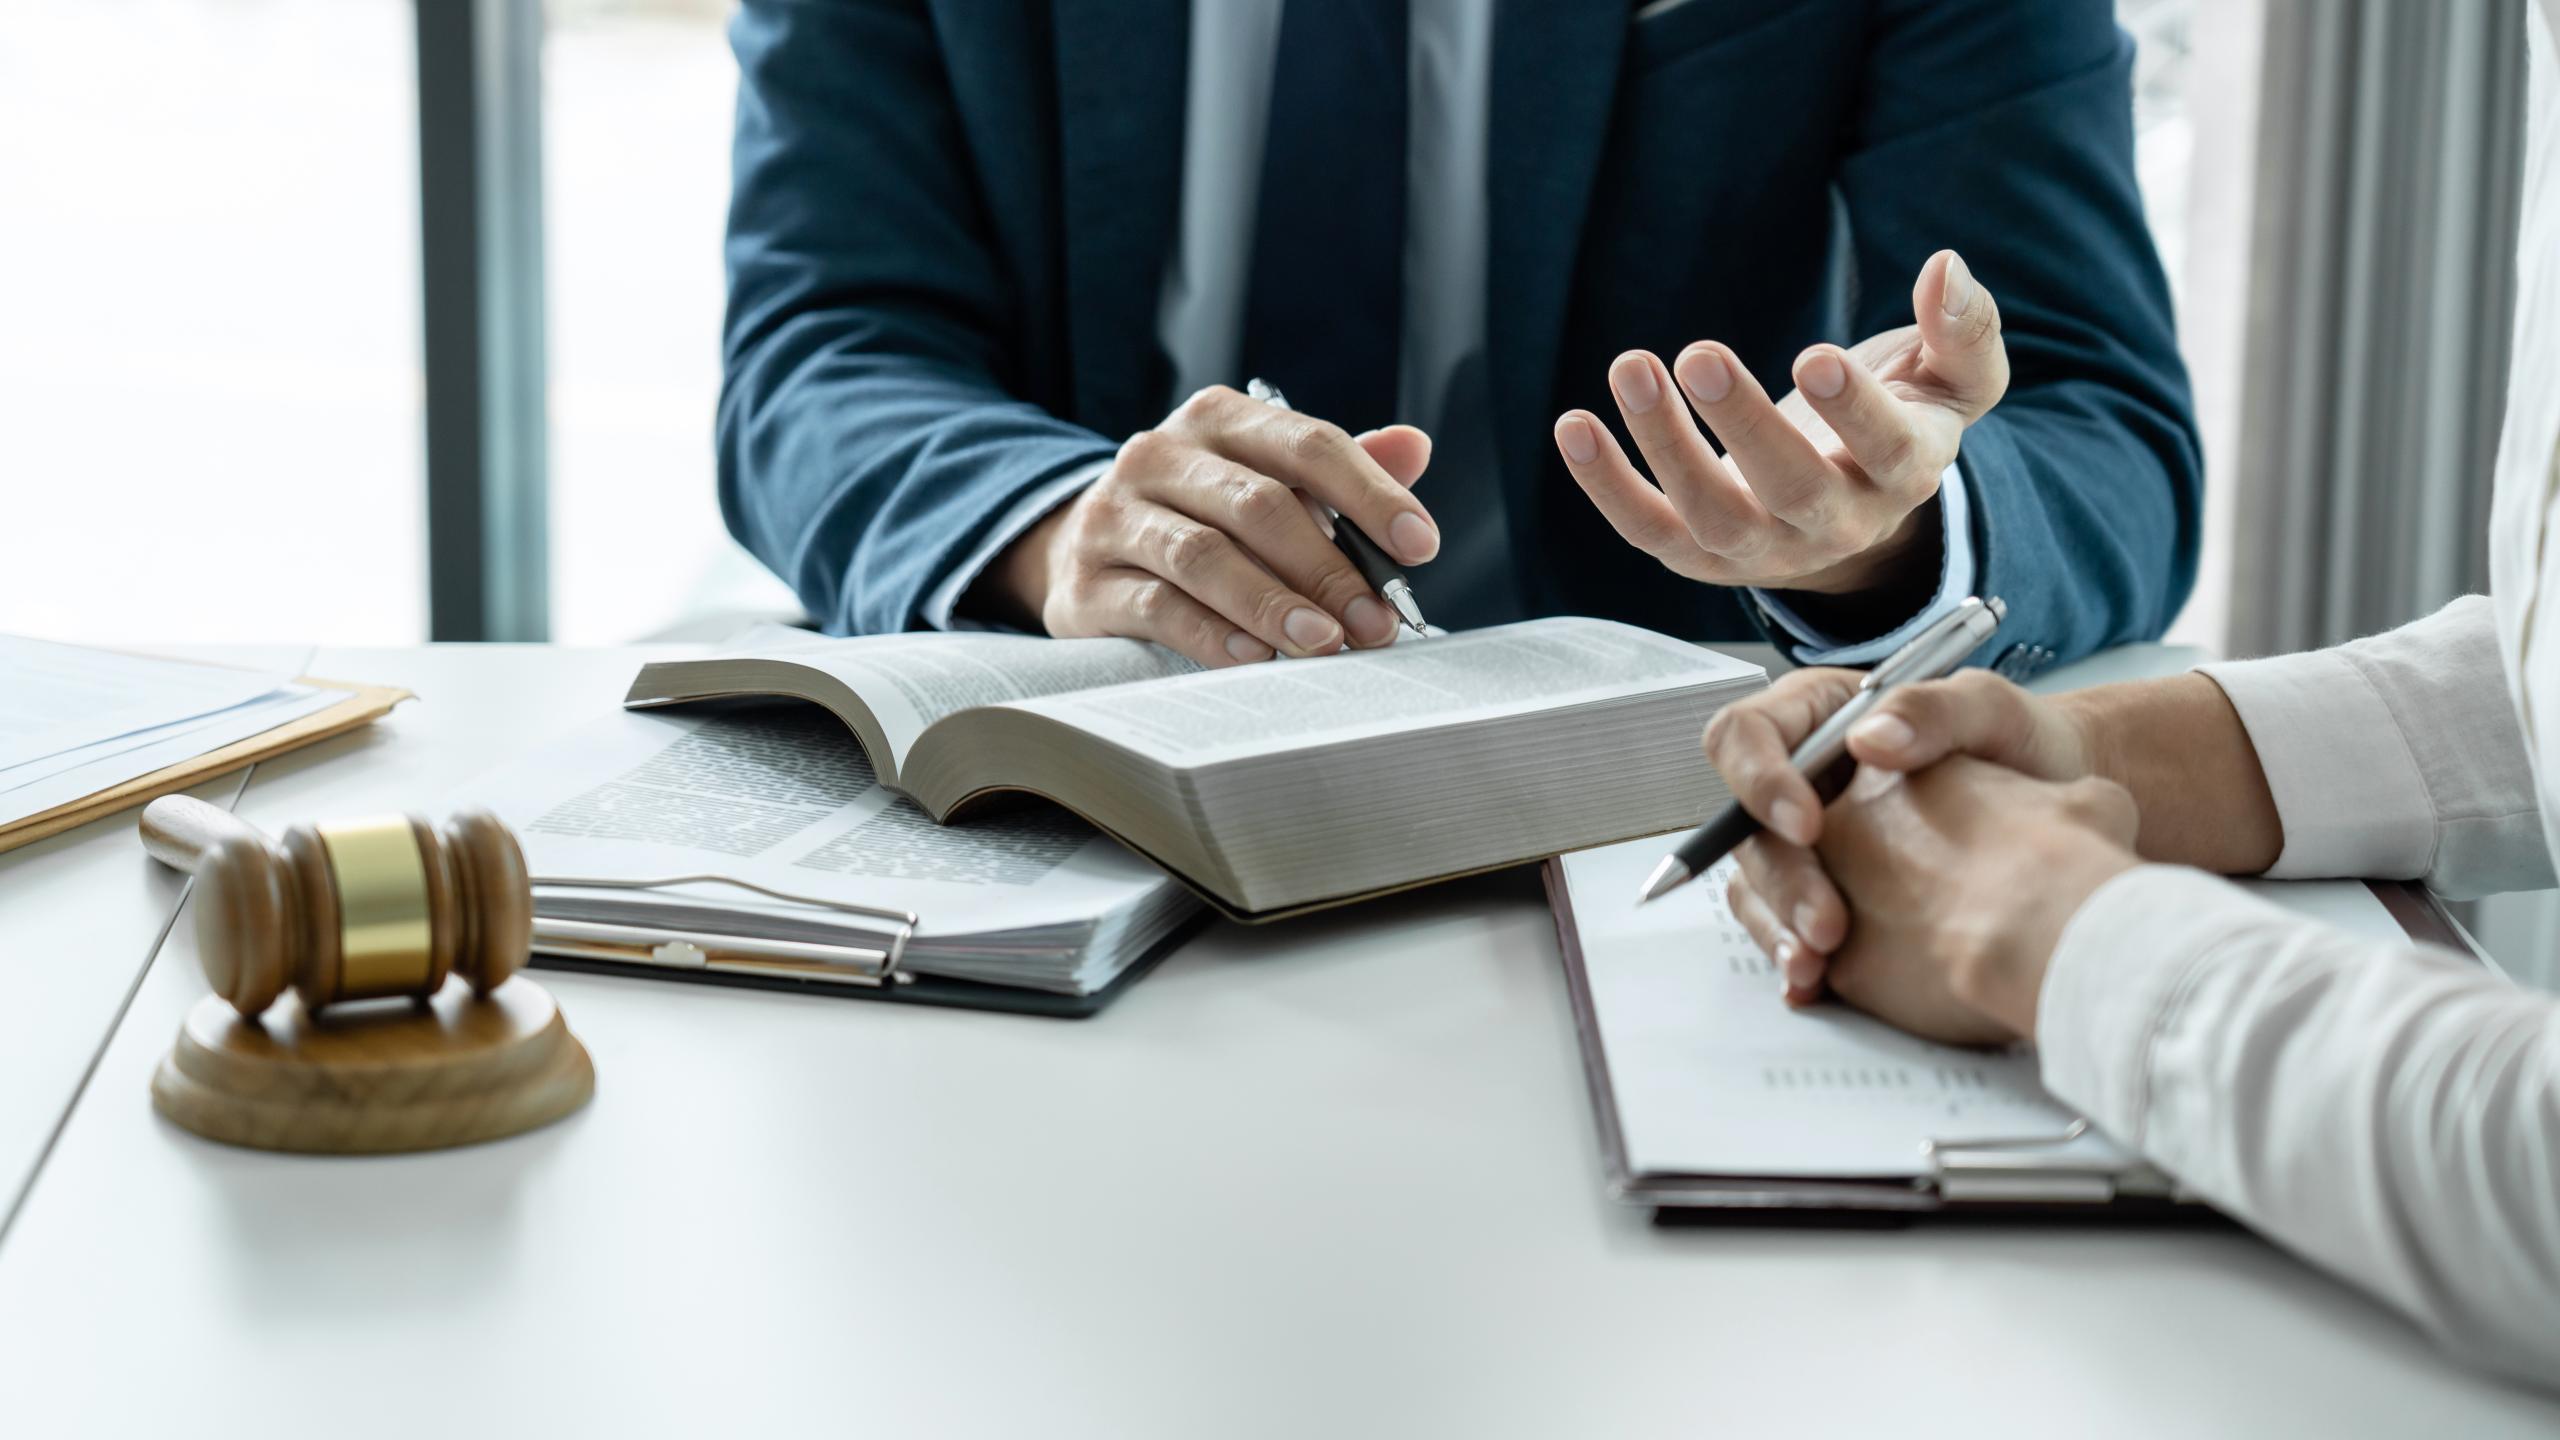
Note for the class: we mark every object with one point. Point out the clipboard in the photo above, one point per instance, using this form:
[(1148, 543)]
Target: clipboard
[(870, 964), (2008, 1178)]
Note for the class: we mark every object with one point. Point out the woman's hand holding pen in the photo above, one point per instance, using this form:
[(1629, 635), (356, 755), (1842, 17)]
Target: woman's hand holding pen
[(1942, 868), (1203, 536), (1933, 890)]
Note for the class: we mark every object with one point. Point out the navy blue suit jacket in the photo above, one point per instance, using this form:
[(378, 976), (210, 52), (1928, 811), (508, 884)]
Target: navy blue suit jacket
[(950, 219)]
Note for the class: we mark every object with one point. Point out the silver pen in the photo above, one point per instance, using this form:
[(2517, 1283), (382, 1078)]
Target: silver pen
[(1932, 654), (1381, 572)]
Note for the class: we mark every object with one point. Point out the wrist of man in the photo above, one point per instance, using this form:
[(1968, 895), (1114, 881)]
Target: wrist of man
[(1893, 578), (1014, 588)]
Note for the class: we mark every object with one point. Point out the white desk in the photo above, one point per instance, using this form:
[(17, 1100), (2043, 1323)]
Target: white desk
[(1332, 1177), (80, 915)]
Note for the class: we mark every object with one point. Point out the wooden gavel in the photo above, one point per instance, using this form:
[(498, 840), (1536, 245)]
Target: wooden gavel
[(347, 909)]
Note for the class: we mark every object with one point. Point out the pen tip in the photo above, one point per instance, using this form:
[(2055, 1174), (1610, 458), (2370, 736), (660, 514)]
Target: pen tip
[(1668, 876)]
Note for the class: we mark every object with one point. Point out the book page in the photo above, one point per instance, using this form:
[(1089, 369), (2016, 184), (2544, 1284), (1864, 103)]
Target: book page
[(786, 799), (1466, 676), (910, 681)]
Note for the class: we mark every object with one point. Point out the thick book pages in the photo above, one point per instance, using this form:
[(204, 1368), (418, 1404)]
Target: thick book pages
[(1279, 787), (783, 798)]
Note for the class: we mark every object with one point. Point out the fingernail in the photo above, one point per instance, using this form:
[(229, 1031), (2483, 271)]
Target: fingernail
[(1822, 375), (1806, 915), (1245, 647), (1573, 435), (1632, 379), (1804, 972), (1309, 629), (1414, 538), (1368, 620), (1883, 732), (1956, 296), (1704, 374), (1788, 819)]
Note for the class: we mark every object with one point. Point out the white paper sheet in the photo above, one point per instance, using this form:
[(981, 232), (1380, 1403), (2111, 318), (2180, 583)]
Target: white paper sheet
[(112, 762), (1714, 1075), (56, 697)]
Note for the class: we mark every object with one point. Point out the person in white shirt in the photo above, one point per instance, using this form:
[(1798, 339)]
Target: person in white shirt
[(2009, 867)]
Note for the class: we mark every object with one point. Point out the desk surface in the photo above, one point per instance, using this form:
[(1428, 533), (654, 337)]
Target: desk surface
[(1335, 1176)]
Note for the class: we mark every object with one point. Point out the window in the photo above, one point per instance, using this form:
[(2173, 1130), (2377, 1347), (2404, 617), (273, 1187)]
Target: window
[(637, 105), (210, 357)]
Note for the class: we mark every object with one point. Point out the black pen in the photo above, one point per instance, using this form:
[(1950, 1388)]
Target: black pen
[(1383, 574), (1823, 758)]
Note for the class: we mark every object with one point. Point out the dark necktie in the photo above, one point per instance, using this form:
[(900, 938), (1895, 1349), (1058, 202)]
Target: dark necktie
[(1324, 309)]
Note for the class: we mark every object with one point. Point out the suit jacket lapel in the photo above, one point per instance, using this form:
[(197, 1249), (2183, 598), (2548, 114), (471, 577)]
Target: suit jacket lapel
[(1121, 82), (1555, 77)]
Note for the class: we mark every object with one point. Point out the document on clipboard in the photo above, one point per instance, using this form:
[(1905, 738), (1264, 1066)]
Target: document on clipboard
[(1714, 1100)]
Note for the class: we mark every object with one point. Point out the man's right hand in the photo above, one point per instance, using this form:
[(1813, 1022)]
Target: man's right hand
[(1203, 537)]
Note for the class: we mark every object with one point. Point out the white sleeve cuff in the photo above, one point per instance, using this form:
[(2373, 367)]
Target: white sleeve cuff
[(1955, 585), (2347, 790), (941, 608), (2117, 977)]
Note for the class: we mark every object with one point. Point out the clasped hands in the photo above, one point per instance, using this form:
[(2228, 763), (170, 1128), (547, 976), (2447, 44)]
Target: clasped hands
[(1204, 534), (1933, 892)]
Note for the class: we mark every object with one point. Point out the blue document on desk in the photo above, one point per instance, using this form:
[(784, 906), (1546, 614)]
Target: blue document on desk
[(1716, 1099)]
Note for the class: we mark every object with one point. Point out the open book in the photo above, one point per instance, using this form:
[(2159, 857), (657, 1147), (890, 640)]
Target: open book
[(1284, 786), (613, 816)]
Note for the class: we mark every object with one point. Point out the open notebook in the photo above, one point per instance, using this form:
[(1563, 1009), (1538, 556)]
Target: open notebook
[(1713, 1096)]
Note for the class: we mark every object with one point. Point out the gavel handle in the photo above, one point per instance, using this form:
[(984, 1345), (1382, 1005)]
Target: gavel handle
[(177, 829)]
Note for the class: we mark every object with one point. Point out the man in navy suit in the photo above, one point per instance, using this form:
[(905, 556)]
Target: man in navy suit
[(998, 270)]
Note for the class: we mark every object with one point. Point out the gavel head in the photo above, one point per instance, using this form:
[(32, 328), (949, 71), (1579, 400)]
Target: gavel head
[(361, 909)]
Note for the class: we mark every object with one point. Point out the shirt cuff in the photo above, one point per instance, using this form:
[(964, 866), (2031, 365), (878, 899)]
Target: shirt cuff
[(941, 608), (1955, 586), (2347, 790), (2124, 966)]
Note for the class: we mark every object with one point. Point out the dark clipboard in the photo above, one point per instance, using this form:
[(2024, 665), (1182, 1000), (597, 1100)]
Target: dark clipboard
[(1776, 1200), (918, 990)]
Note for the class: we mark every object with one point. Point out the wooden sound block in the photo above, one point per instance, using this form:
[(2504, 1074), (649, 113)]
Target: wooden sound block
[(373, 1079)]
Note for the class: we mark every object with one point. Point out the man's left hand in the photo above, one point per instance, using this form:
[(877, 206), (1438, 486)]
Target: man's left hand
[(1959, 879), (1819, 492)]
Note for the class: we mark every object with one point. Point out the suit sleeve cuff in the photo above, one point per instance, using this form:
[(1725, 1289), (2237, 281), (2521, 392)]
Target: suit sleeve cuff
[(1814, 646), (941, 607), (2347, 790)]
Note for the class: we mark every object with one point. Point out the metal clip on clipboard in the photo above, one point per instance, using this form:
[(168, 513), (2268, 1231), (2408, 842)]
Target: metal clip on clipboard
[(2023, 1169), (673, 949)]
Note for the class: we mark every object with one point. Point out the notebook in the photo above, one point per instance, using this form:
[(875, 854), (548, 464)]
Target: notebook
[(1276, 788), (1714, 1100)]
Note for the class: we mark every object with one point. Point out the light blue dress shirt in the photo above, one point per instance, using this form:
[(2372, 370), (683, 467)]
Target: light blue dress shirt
[(1442, 384)]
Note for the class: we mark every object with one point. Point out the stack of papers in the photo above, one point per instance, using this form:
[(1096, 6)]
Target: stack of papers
[(76, 721)]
